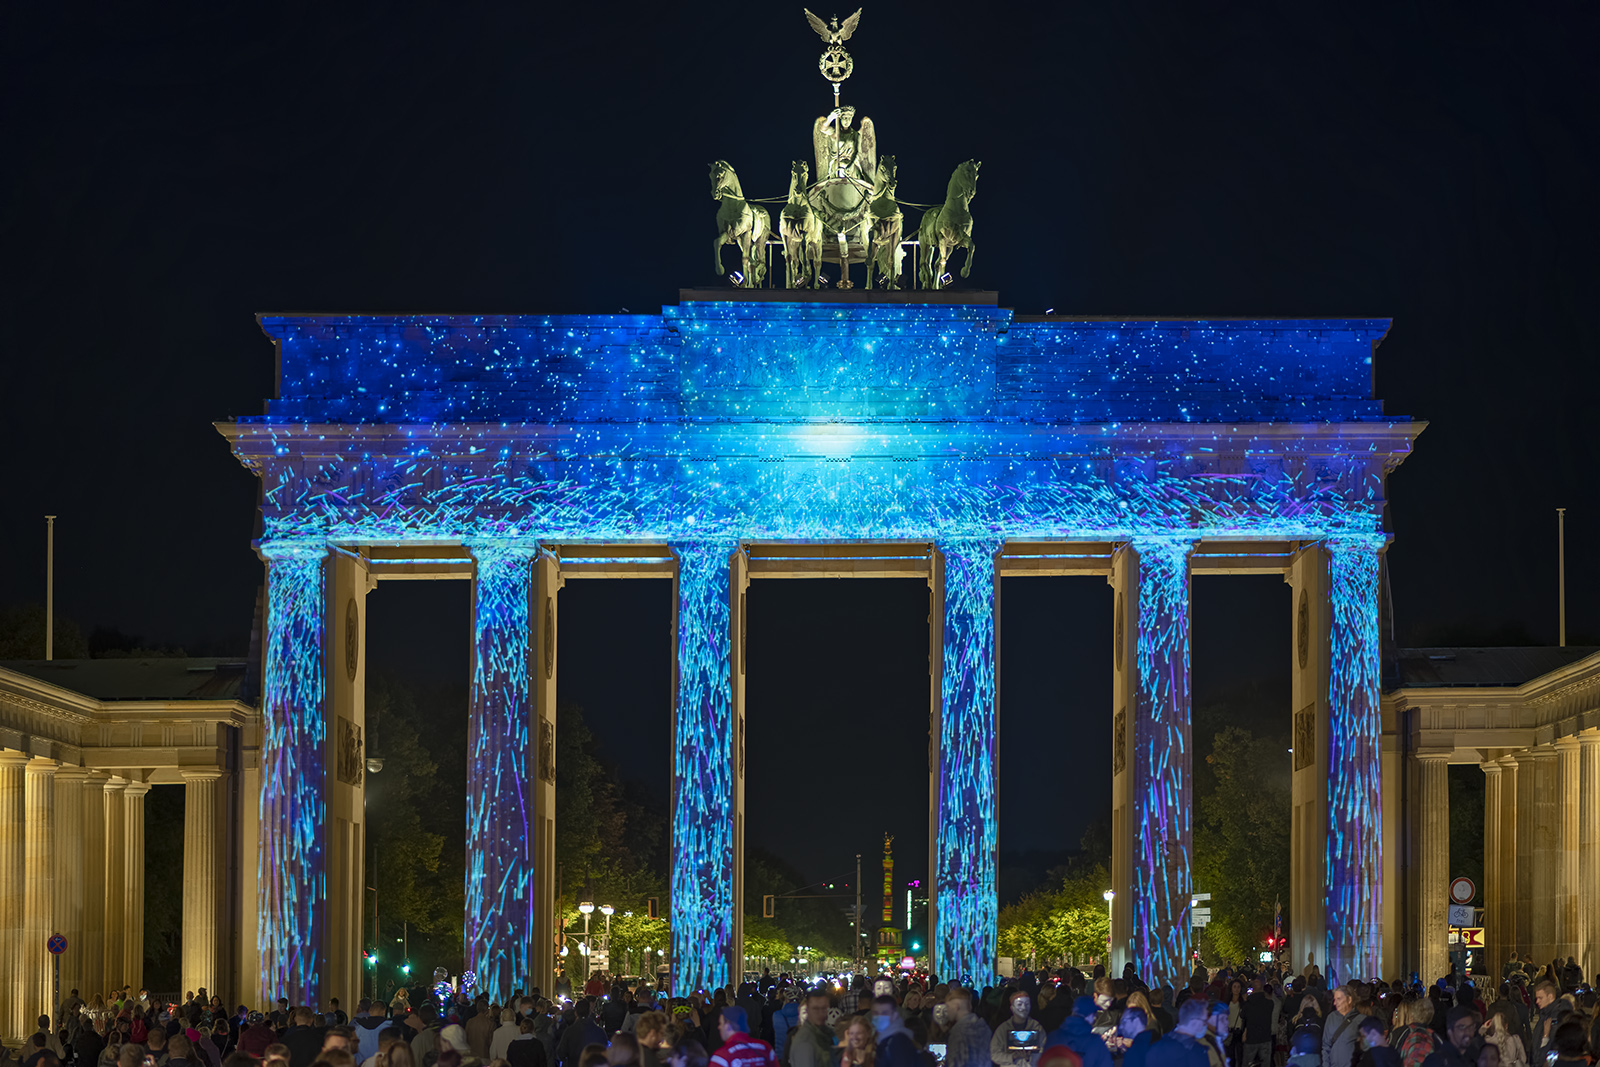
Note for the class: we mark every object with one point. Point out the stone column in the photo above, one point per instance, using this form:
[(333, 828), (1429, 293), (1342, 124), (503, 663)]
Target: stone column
[(702, 790), (1546, 842), (203, 921), (1152, 751), (39, 892), (1355, 747), (547, 584), (133, 883), (1522, 857), (13, 856), (1433, 864), (1569, 928), (965, 862), (92, 970), (1309, 666), (498, 912), (1589, 849), (1494, 885), (67, 857), (291, 889), (115, 889)]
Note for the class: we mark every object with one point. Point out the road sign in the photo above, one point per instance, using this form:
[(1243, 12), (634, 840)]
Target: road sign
[(1199, 917), (1462, 914), (1462, 891), (1201, 896), (57, 944), (1472, 937)]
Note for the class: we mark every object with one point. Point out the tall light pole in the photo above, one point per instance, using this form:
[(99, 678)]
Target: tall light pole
[(1109, 895), (587, 907), (857, 923), (50, 587), (607, 910)]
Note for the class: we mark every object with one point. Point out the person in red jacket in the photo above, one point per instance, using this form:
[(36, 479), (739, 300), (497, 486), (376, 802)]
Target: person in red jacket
[(739, 1049)]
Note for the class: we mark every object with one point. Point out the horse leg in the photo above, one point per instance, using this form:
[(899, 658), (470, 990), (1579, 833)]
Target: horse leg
[(716, 254), (972, 248), (867, 235)]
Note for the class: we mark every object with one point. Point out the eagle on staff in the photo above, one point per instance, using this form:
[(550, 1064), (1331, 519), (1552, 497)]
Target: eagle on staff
[(835, 34)]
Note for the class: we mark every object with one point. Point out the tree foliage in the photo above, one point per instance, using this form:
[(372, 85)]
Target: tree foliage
[(22, 634), (1065, 923), (1241, 840)]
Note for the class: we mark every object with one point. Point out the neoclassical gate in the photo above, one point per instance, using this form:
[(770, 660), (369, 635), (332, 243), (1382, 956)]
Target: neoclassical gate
[(734, 436)]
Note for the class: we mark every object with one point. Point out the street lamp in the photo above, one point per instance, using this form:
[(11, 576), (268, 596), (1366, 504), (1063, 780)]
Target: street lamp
[(607, 910), (587, 907), (1108, 895)]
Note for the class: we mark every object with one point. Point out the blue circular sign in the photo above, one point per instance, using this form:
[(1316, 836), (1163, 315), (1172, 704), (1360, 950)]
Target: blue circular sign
[(57, 944)]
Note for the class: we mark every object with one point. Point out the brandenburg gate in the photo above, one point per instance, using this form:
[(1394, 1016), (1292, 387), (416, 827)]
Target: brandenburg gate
[(745, 434)]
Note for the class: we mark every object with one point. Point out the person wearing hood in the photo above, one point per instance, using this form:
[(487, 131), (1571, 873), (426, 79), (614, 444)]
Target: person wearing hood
[(368, 1025), (894, 1045), (454, 1038), (1077, 1034), (1023, 1052), (738, 1048), (1305, 1049)]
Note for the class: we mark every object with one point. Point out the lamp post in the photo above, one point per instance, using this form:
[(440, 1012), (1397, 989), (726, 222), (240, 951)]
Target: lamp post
[(1109, 895), (587, 907), (374, 765), (607, 910)]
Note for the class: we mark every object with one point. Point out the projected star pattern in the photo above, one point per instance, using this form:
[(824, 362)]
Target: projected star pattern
[(804, 422)]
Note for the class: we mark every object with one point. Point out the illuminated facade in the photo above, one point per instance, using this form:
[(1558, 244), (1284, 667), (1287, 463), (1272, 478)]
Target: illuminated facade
[(734, 437)]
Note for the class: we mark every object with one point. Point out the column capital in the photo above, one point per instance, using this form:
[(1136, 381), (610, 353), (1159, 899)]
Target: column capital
[(1588, 737), (201, 774), (8, 758), (1508, 762), (479, 547), (137, 789), (114, 784), (1540, 752), (1357, 541), (70, 772), (1429, 755), (1490, 767), (43, 765), (301, 548)]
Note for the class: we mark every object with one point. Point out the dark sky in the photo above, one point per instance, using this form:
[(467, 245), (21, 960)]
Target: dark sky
[(170, 171)]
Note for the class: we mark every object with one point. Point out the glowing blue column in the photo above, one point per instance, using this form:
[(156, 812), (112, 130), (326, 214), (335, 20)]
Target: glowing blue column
[(291, 898), (702, 797), (498, 928), (1160, 761), (967, 910), (1355, 746)]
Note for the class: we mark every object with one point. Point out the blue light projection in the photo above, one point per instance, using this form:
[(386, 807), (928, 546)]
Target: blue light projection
[(1355, 744), (498, 917), (291, 880), (967, 831), (702, 772), (961, 425), (1160, 790)]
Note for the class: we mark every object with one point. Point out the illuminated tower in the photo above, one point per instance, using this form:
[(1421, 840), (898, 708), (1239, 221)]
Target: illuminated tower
[(888, 933)]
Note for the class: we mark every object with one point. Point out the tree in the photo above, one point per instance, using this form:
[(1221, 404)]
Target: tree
[(22, 634), (1066, 922), (1241, 841)]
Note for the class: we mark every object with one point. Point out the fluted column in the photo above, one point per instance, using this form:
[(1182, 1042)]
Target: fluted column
[(15, 994), (497, 929), (203, 922), (1546, 840), (291, 887), (115, 888), (1355, 745), (92, 966), (1494, 885), (1589, 850), (1569, 933), (39, 897), (1153, 856), (702, 779), (968, 813), (133, 883), (1433, 864), (67, 857)]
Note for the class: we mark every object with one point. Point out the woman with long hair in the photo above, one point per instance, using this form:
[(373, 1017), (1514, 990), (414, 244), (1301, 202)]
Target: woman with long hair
[(856, 1046), (1501, 1029)]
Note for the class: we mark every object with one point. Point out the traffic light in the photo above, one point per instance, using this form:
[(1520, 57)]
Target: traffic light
[(405, 968), (372, 958), (768, 908)]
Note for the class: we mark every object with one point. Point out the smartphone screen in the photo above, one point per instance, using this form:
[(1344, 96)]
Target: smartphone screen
[(938, 1049), (1024, 1040)]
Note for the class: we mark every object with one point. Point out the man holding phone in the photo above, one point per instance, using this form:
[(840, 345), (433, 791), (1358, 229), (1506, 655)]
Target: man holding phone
[(1017, 1041)]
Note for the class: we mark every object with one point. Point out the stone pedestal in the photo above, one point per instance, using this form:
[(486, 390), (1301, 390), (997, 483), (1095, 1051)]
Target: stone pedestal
[(39, 892), (204, 926), (13, 855), (1433, 864)]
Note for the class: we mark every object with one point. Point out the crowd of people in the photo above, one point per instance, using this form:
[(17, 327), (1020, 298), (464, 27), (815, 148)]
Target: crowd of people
[(1219, 1018)]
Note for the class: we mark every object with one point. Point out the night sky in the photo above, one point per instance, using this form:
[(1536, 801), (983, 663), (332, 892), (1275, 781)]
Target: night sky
[(169, 174)]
